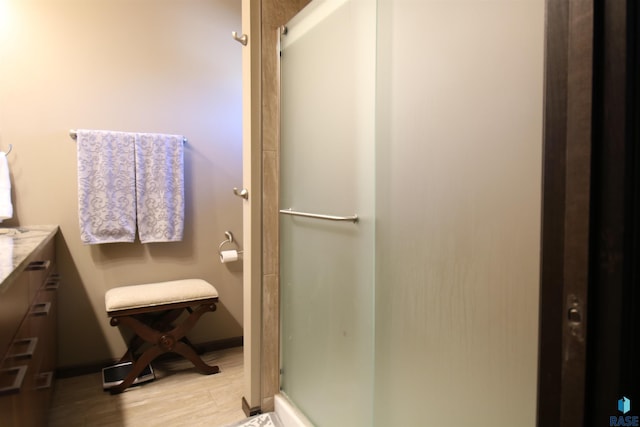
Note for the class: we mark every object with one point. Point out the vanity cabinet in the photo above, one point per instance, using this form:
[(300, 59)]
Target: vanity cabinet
[(28, 339)]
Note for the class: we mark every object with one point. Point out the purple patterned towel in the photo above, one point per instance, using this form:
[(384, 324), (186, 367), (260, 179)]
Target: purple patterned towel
[(106, 187), (160, 187)]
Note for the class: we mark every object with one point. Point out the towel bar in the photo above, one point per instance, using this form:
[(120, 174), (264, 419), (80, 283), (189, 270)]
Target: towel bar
[(74, 135)]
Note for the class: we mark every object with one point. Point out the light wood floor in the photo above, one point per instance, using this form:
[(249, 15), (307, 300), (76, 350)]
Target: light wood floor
[(180, 396)]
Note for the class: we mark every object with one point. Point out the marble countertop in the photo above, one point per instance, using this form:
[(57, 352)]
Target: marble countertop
[(16, 246)]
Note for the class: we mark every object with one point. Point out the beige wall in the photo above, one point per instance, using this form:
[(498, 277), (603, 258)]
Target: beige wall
[(130, 65)]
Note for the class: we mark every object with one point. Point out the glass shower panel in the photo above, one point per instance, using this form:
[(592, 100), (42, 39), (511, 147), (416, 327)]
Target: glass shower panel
[(459, 149), (327, 160)]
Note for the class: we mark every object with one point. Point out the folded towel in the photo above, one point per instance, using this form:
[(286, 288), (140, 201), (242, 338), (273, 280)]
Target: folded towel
[(160, 187), (6, 208), (106, 187)]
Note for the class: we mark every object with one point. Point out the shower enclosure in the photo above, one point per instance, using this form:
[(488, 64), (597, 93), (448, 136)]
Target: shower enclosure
[(411, 143)]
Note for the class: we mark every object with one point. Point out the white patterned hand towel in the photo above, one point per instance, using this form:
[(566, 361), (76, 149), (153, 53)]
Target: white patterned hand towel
[(160, 187), (6, 208), (106, 186)]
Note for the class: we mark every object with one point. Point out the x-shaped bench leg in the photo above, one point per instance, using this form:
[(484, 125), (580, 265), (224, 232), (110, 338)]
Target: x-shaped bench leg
[(162, 342)]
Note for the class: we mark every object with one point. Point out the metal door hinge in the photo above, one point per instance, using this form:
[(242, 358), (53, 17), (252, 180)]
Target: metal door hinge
[(575, 317)]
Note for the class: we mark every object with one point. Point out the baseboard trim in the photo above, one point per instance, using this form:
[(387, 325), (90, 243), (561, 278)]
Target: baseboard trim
[(92, 368), (248, 411)]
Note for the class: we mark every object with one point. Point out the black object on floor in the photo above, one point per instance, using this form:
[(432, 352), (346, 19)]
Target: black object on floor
[(114, 375)]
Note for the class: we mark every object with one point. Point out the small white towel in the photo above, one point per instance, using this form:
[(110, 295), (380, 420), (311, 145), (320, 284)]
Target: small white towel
[(106, 186), (160, 187), (6, 208)]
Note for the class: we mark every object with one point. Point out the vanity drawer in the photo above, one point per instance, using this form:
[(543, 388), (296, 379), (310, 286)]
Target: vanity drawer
[(20, 383), (40, 268), (12, 381), (23, 397), (44, 322), (28, 329), (14, 303)]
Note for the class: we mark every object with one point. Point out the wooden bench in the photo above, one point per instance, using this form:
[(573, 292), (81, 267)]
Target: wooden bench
[(150, 310)]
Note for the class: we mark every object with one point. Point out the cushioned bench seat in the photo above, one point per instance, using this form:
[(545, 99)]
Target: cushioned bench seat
[(155, 294), (149, 310)]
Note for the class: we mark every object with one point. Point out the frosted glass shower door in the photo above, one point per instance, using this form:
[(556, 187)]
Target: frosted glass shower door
[(326, 267), (458, 170)]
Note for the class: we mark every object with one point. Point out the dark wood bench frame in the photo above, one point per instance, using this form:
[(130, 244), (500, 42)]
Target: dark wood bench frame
[(154, 325)]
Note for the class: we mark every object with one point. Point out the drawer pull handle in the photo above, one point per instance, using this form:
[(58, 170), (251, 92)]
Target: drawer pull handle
[(38, 265), (41, 309), (52, 285), (29, 352), (20, 372), (47, 380)]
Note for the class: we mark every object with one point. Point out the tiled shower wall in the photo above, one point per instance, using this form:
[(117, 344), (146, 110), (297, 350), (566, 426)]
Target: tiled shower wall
[(275, 13)]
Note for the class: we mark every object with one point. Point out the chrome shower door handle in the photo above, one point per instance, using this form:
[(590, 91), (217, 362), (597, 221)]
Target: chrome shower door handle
[(350, 218)]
